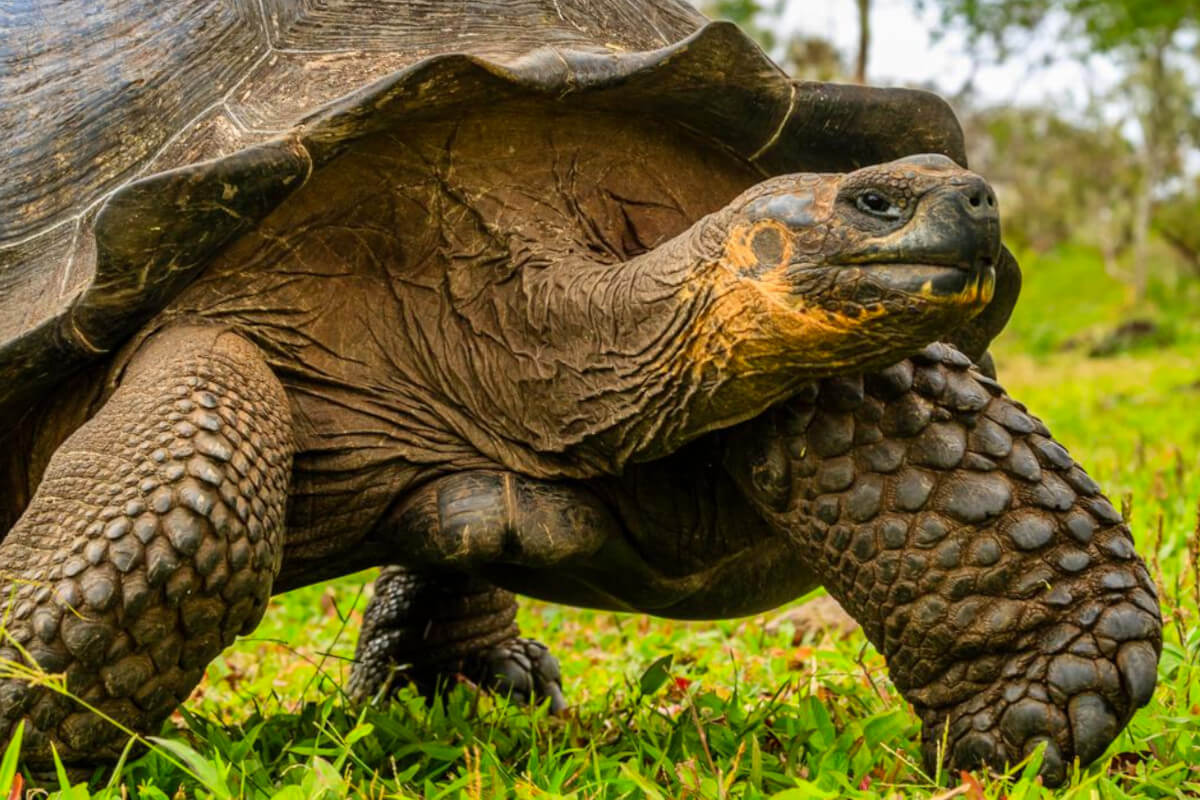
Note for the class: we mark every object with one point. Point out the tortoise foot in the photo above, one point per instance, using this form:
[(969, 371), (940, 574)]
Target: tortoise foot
[(524, 670), (1074, 701), (428, 629), (432, 629)]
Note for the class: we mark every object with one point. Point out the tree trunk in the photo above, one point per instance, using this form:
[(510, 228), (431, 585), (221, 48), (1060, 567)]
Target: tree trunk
[(1155, 154), (864, 40), (1142, 209)]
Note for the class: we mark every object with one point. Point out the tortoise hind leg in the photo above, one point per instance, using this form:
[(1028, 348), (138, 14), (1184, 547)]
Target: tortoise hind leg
[(149, 545), (432, 626), (441, 618)]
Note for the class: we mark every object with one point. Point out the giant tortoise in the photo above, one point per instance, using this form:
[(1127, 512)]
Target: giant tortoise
[(577, 299)]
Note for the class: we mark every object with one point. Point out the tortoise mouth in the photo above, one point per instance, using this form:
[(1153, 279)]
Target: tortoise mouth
[(955, 282)]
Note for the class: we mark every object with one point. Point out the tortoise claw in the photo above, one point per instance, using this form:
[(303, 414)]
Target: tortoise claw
[(1093, 726), (525, 671), (1053, 771), (1137, 663)]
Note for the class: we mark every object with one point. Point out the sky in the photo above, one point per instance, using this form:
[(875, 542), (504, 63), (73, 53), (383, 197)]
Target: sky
[(903, 52)]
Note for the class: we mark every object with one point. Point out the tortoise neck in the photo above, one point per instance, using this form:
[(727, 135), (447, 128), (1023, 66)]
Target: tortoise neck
[(649, 353)]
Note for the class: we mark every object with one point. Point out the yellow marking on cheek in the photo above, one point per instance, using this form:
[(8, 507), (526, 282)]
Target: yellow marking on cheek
[(825, 320), (813, 335), (738, 254)]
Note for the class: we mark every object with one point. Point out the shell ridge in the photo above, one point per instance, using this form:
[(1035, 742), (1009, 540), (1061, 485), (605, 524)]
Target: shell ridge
[(779, 129)]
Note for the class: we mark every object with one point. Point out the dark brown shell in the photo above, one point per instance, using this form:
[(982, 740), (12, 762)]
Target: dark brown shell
[(140, 137)]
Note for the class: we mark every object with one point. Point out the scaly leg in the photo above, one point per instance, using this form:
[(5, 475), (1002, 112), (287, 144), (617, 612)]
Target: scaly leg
[(149, 545), (981, 560), (438, 618), (434, 626)]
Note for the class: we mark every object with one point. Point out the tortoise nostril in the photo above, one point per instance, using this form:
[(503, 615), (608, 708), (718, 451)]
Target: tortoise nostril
[(976, 197)]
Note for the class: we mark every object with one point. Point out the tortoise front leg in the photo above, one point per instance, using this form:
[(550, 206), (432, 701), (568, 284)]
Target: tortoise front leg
[(1001, 586), (149, 545)]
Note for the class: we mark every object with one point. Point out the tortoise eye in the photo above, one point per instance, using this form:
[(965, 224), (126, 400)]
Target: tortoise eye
[(877, 205)]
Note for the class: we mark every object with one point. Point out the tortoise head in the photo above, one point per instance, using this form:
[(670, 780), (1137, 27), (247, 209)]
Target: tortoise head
[(869, 262)]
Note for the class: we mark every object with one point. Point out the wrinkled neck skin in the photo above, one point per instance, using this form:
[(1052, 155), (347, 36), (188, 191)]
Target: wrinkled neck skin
[(629, 360)]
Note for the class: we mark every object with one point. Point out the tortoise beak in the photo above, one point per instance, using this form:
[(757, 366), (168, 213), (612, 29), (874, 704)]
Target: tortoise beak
[(951, 244)]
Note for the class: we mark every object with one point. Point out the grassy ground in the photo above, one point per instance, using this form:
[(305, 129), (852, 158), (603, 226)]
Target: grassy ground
[(744, 708)]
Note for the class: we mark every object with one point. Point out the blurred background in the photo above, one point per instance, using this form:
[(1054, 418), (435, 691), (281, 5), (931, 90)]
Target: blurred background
[(1085, 115)]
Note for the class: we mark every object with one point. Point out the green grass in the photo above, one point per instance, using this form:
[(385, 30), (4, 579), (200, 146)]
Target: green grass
[(741, 708)]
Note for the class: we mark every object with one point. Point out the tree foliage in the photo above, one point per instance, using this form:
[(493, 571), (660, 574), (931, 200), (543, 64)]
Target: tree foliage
[(1103, 25), (1177, 221), (1035, 158), (1154, 42), (812, 58)]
